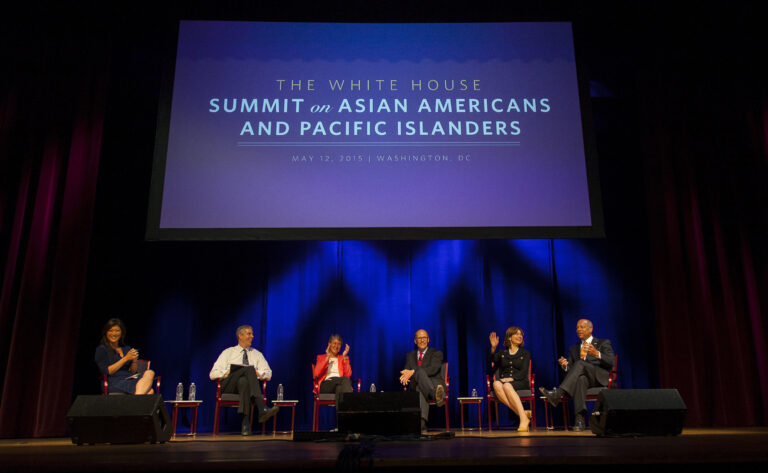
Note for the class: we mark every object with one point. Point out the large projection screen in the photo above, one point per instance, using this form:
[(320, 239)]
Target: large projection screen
[(374, 131)]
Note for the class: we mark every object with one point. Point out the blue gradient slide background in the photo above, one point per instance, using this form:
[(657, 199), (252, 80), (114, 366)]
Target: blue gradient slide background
[(532, 173)]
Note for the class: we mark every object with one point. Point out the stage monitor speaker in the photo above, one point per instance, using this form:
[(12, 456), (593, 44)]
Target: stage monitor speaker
[(392, 413), (638, 412), (119, 419)]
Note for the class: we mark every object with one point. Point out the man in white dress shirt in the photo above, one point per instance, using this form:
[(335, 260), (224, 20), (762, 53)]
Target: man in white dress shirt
[(245, 381)]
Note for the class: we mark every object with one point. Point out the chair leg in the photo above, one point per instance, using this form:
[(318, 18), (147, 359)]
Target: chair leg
[(566, 414), (263, 424), (314, 417), (533, 414), (497, 415), (335, 408), (216, 419), (447, 423), (490, 420)]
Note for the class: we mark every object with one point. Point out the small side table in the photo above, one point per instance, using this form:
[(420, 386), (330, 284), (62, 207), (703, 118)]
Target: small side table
[(284, 403), (193, 416), (471, 400)]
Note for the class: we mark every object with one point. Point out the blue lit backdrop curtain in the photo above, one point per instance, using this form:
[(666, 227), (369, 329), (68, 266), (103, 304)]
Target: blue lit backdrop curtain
[(376, 294)]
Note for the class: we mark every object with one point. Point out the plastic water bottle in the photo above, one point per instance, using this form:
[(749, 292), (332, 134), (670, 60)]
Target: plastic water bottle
[(179, 392), (279, 392), (474, 392), (373, 388), (192, 391)]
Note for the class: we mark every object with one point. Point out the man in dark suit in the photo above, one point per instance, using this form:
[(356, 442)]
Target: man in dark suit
[(588, 365), (422, 374)]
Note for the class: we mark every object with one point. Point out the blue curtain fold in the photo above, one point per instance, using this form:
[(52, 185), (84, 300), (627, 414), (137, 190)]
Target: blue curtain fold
[(376, 295)]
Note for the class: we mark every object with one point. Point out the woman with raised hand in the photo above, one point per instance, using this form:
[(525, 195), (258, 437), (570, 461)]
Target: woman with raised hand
[(333, 370), (511, 365)]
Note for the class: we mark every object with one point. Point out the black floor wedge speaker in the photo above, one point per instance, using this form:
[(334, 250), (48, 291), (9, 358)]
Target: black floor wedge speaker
[(119, 419), (390, 413), (638, 412)]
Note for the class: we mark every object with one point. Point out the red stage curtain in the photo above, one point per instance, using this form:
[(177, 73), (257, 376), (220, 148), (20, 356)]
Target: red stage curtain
[(51, 118), (704, 133)]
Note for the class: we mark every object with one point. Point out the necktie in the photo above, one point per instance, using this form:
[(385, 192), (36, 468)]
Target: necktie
[(245, 357), (421, 354), (584, 350)]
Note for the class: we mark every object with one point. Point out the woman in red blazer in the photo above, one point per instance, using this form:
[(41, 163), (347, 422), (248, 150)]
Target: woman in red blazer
[(333, 371)]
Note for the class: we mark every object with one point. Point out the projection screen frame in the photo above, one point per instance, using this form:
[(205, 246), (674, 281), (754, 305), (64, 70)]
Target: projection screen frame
[(155, 233)]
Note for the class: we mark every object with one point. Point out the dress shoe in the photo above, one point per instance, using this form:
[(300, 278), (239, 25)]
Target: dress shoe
[(245, 426), (578, 425), (440, 395), (553, 397), (523, 429), (267, 414)]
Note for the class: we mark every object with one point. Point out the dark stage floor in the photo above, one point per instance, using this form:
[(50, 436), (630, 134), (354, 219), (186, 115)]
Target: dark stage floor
[(535, 451)]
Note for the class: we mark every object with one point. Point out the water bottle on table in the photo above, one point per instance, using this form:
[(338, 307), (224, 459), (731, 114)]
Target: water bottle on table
[(179, 392)]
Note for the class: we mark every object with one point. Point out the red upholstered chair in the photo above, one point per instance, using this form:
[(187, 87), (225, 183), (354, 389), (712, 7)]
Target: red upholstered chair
[(526, 395), (324, 399), (105, 382), (233, 400), (447, 382), (592, 394)]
